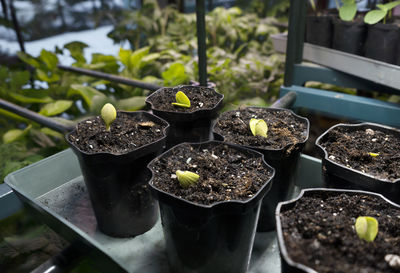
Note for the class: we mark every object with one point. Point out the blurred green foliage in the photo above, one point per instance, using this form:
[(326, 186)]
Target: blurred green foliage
[(240, 56)]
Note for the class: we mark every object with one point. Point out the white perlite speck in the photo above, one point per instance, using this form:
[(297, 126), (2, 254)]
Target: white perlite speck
[(393, 260)]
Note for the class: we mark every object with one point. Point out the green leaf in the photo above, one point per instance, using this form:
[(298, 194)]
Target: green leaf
[(258, 127), (89, 94), (347, 12), (390, 5), (312, 3), (49, 58), (19, 79), (15, 134), (124, 57), (76, 51), (131, 104), (181, 100), (47, 76), (374, 16), (366, 228), (151, 57), (13, 116), (186, 178), (31, 98), (174, 75), (52, 133), (105, 62), (3, 73), (26, 58), (55, 108), (137, 56)]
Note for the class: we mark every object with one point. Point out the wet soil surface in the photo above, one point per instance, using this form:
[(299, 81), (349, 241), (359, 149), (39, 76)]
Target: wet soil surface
[(319, 232), (127, 133), (352, 149), (200, 98), (283, 128), (225, 174)]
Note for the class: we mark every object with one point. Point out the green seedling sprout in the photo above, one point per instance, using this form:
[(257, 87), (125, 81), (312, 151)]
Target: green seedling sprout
[(312, 3), (366, 228), (186, 178), (348, 10), (258, 127), (181, 100), (108, 114), (374, 16), (374, 154)]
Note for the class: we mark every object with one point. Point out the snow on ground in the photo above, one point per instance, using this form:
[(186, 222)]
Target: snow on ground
[(25, 11), (96, 39)]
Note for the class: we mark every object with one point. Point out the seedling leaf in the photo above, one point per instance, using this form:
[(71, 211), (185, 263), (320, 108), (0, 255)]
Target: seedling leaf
[(258, 127), (108, 114), (181, 100), (348, 11), (374, 16), (312, 3), (390, 5), (366, 228), (187, 178)]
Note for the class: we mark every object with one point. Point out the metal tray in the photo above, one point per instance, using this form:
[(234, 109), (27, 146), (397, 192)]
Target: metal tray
[(54, 189)]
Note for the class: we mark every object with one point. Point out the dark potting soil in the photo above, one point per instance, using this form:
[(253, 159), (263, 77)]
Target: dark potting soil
[(352, 148), (283, 128), (127, 133), (319, 232), (225, 174), (200, 98)]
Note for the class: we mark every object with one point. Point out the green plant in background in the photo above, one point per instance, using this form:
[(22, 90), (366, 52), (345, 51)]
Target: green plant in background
[(267, 8), (108, 114), (258, 127), (187, 178), (313, 6), (382, 13), (181, 100), (348, 10), (240, 55), (241, 62), (366, 228)]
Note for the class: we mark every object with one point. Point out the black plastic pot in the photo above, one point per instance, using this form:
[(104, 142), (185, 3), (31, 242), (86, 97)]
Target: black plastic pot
[(319, 30), (382, 42), (398, 55), (117, 185), (339, 176), (287, 264), (187, 126), (349, 36), (214, 238), (284, 161)]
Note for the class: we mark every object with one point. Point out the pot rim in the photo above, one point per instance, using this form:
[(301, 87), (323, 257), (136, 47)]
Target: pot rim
[(279, 233), (202, 110), (338, 21), (160, 120), (268, 183), (388, 26), (325, 154), (273, 109)]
